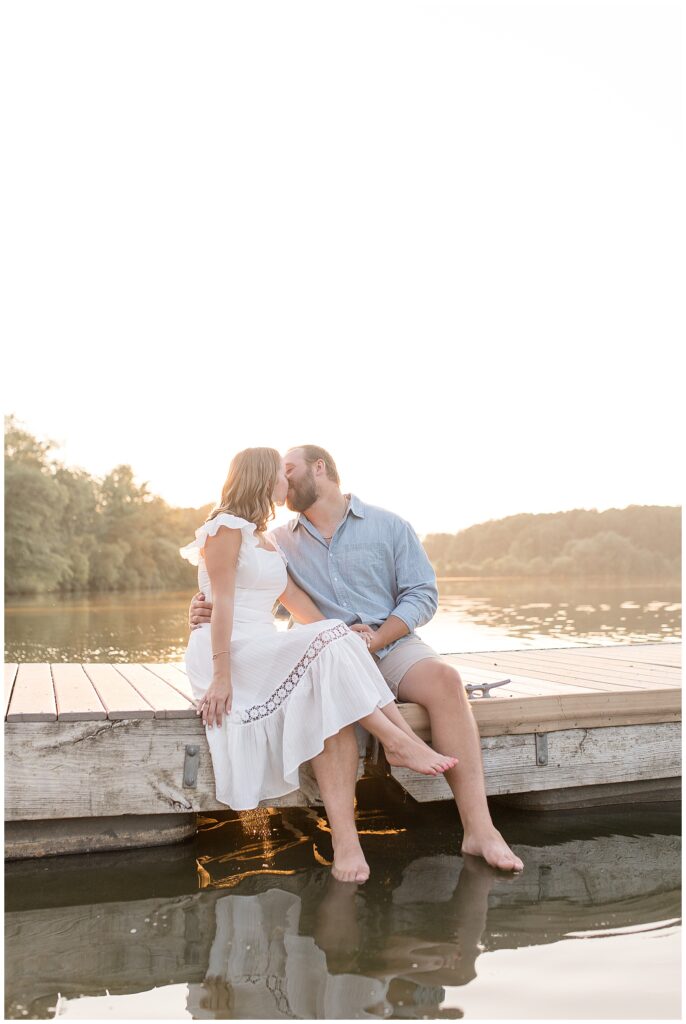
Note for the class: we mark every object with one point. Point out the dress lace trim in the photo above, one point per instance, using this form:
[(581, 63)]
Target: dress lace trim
[(322, 640), (275, 985)]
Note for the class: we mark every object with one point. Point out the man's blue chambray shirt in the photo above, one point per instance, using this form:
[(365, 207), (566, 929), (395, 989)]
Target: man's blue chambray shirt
[(374, 566)]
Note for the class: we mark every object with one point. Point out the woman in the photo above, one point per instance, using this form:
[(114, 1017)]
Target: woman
[(271, 700)]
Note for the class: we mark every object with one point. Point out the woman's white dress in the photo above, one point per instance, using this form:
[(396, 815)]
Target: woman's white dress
[(275, 972), (291, 689)]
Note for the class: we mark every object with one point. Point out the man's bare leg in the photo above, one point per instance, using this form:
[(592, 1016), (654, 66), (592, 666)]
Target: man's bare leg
[(335, 770), (439, 688)]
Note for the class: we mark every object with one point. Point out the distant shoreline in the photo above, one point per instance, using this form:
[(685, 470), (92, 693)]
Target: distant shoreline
[(56, 595)]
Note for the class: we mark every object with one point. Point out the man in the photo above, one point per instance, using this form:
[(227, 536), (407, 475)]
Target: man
[(366, 566)]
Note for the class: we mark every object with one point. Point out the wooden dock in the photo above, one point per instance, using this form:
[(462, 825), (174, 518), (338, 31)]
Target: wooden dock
[(122, 747), (575, 726)]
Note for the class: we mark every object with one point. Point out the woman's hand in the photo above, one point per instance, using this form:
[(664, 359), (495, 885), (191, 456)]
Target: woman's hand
[(216, 702)]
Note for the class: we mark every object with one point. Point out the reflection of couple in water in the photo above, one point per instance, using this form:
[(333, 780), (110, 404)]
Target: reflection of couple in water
[(271, 959), (357, 583)]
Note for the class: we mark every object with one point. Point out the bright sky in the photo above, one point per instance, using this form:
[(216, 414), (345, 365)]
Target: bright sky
[(442, 240)]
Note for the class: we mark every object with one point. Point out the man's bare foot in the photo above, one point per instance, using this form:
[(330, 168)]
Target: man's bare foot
[(492, 847), (349, 864), (405, 752)]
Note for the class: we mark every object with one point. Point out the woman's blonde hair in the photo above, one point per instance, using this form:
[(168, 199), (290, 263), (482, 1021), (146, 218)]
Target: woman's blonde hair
[(248, 488)]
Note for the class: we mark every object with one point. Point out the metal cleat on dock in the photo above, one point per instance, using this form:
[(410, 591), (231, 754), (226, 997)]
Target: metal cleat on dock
[(485, 688)]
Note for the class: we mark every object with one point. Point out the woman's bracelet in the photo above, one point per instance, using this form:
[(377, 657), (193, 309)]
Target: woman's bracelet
[(218, 653)]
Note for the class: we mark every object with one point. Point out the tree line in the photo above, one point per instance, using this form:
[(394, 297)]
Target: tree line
[(638, 542), (67, 531)]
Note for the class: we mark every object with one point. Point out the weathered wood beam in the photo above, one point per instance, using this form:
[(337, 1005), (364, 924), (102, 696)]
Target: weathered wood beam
[(575, 757)]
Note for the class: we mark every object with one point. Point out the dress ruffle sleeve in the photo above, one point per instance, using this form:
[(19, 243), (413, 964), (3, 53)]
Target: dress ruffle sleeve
[(191, 552)]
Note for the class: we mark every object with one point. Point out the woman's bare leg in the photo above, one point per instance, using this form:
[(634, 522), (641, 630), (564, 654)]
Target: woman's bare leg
[(392, 711), (335, 770), (403, 749)]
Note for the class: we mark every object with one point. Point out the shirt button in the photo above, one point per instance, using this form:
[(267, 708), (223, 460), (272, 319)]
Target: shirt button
[(335, 579)]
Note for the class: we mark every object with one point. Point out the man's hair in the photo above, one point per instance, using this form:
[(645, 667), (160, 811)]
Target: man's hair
[(312, 453)]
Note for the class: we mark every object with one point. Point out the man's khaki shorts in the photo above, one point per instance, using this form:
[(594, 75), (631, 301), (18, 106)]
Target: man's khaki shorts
[(407, 652)]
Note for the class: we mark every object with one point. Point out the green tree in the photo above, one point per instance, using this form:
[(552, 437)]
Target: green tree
[(66, 530), (642, 541)]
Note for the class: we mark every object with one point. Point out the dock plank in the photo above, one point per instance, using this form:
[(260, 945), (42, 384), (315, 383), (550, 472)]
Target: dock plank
[(601, 668), (10, 674), (534, 670), (33, 696), (174, 676), (568, 676), (534, 663), (666, 654), (118, 696), (520, 682), (165, 701), (473, 671), (597, 678), (552, 712), (667, 676), (77, 700)]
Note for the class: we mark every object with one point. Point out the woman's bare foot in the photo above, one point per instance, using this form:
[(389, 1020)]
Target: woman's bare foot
[(422, 743), (336, 926), (492, 847), (406, 752), (349, 864)]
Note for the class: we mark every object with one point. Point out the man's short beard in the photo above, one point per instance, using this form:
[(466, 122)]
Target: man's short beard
[(303, 494)]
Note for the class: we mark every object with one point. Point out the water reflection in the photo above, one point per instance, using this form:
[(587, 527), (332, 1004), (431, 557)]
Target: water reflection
[(507, 614), (244, 922), (97, 627), (473, 615), (261, 966)]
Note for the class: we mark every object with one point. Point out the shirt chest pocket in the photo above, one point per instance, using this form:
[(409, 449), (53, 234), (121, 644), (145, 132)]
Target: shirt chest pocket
[(360, 560)]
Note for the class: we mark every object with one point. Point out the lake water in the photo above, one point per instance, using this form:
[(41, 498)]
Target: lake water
[(473, 615), (244, 921)]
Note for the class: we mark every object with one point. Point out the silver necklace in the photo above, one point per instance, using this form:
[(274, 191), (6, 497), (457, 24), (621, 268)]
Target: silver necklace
[(347, 503)]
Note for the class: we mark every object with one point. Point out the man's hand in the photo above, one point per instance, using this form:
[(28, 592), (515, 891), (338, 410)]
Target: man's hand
[(200, 611), (368, 635)]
